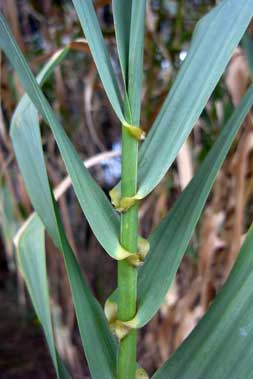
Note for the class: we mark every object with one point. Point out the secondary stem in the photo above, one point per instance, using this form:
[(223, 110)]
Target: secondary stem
[(127, 274)]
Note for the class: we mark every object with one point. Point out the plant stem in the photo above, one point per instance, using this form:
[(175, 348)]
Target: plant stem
[(127, 274)]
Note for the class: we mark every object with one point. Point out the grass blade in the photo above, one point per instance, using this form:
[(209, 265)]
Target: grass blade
[(92, 323), (122, 23), (93, 326), (89, 194), (91, 320), (221, 344), (247, 43), (89, 22), (169, 240), (135, 64), (129, 21), (8, 220), (213, 43), (32, 263)]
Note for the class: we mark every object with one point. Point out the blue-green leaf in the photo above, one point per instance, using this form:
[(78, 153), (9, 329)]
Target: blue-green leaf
[(90, 25), (129, 21), (122, 23), (221, 344), (214, 40), (89, 194), (135, 64), (32, 263), (247, 43), (168, 242), (26, 138)]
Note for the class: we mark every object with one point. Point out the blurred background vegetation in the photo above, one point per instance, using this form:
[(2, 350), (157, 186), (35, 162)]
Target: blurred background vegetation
[(75, 91)]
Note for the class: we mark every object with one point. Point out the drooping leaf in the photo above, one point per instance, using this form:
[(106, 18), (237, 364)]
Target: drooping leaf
[(221, 344), (26, 138), (168, 242), (90, 317), (89, 194), (32, 263), (93, 326), (25, 134), (90, 25), (214, 40), (92, 323)]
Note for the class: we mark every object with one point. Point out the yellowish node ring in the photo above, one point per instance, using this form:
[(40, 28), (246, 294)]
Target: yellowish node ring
[(139, 256), (135, 131)]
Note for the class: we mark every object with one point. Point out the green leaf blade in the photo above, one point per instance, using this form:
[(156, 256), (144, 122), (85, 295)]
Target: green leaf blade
[(247, 44), (89, 22), (122, 23), (220, 346), (135, 65), (91, 320), (169, 240), (32, 263), (89, 194), (213, 43), (93, 326), (129, 21), (26, 138)]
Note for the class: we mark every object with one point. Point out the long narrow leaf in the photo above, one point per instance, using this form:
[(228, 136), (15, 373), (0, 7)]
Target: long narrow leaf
[(129, 21), (122, 23), (247, 43), (92, 323), (26, 140), (89, 22), (213, 43), (89, 194), (93, 326), (32, 263), (169, 240), (221, 345), (135, 64), (91, 320)]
